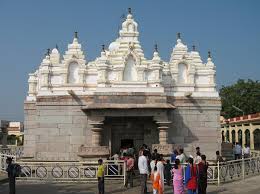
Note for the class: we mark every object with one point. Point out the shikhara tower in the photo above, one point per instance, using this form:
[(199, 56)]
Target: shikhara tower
[(77, 108)]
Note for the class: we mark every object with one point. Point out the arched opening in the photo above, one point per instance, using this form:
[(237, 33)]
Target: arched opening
[(257, 139), (182, 73), (223, 136), (73, 73), (130, 73), (227, 136), (240, 136), (247, 137), (233, 134)]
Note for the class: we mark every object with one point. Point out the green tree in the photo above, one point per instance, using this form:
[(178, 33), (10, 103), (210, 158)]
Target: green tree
[(244, 94)]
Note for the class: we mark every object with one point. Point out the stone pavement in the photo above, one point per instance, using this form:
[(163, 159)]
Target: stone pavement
[(248, 186)]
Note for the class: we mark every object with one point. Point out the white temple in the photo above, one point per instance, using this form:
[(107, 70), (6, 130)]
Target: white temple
[(184, 82)]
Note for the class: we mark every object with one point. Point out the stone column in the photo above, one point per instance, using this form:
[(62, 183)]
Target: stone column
[(4, 138), (252, 141), (96, 133), (163, 132)]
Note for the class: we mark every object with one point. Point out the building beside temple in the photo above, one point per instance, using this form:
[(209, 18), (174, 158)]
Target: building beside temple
[(78, 109), (244, 130)]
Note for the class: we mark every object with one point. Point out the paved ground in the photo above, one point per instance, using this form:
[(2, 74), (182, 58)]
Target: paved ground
[(249, 186)]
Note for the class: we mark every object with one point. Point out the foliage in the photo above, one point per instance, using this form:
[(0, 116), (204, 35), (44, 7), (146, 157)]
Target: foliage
[(243, 94)]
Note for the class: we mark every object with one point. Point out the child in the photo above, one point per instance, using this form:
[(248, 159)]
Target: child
[(100, 176), (156, 181)]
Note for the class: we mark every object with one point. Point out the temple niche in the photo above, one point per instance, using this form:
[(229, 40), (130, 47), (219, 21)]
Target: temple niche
[(130, 73), (78, 109)]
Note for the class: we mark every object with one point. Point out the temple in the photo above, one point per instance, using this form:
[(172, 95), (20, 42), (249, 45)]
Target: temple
[(77, 109)]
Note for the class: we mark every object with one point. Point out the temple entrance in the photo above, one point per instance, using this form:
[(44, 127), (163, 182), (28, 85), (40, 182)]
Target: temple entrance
[(131, 132)]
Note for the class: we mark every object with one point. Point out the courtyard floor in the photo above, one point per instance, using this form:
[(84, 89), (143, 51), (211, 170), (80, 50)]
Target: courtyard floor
[(248, 186)]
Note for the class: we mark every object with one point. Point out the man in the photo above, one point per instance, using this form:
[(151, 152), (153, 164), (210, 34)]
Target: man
[(100, 176), (202, 175), (129, 171), (219, 157), (155, 154), (11, 175), (143, 170), (174, 155), (246, 151), (197, 158), (238, 151), (181, 156)]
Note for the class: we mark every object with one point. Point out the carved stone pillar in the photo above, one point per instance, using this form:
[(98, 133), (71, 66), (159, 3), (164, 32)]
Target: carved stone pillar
[(96, 134), (163, 131)]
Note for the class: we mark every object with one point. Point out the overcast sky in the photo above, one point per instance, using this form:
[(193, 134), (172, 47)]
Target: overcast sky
[(230, 29)]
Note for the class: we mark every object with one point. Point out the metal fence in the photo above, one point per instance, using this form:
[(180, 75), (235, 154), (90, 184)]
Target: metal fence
[(16, 151), (70, 171), (3, 158)]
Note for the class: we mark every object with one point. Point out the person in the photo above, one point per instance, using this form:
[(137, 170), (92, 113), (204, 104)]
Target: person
[(143, 170), (155, 154), (246, 151), (191, 177), (156, 181), (167, 172), (11, 175), (153, 163), (197, 158), (129, 171), (198, 150), (177, 172), (219, 157), (115, 156), (174, 155), (160, 169), (181, 156), (238, 151), (202, 175)]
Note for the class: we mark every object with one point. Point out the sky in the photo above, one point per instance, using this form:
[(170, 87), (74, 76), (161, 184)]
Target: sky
[(229, 29)]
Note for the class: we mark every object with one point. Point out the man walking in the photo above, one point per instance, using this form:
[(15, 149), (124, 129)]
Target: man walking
[(143, 170)]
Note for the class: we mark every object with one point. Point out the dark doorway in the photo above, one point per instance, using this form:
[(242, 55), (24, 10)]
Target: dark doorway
[(127, 143)]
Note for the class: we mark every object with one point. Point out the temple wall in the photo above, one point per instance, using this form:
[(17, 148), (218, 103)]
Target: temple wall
[(195, 122), (55, 130)]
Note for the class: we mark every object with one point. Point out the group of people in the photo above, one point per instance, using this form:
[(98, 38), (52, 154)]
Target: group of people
[(159, 170), (239, 151)]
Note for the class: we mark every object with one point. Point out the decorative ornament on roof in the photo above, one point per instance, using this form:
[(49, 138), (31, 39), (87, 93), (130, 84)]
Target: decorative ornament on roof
[(193, 48)]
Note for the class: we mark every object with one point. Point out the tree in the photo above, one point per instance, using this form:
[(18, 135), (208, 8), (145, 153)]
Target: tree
[(244, 95)]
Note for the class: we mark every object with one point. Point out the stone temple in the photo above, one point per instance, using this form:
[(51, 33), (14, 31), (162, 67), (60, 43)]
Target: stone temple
[(77, 109)]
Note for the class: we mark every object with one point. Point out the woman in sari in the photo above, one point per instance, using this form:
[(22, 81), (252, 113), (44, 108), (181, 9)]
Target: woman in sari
[(156, 181), (191, 177), (177, 172), (160, 169)]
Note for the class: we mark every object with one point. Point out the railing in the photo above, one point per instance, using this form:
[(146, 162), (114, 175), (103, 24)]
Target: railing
[(70, 171), (3, 158), (16, 151)]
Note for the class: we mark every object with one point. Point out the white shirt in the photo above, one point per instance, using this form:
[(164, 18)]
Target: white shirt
[(246, 150), (238, 149), (197, 159), (181, 158), (142, 165)]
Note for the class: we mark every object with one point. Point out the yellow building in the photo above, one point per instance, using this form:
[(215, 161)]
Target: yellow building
[(244, 129)]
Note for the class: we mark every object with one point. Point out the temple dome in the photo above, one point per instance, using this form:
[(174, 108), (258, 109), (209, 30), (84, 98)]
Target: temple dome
[(113, 46)]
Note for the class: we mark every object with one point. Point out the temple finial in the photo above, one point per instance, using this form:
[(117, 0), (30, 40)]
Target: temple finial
[(48, 52), (209, 54), (75, 34), (103, 48), (129, 10), (178, 35), (156, 47), (193, 48), (56, 46)]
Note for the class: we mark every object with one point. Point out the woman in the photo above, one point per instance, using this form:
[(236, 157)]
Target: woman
[(156, 181), (191, 177), (153, 163), (177, 172), (160, 169)]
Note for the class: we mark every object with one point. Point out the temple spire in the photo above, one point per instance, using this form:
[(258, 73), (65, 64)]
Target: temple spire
[(48, 52), (129, 10), (209, 54), (155, 47), (178, 35), (76, 34), (193, 48), (103, 48)]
